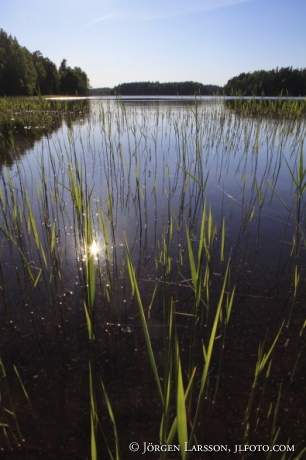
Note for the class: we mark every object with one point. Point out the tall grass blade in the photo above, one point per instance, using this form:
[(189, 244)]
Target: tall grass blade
[(136, 292)]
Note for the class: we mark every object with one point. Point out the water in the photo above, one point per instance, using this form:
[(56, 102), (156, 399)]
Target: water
[(148, 168)]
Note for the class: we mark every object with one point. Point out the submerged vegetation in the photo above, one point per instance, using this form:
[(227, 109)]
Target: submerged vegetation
[(152, 278)]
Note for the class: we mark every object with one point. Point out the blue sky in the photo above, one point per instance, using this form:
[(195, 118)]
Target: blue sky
[(116, 41)]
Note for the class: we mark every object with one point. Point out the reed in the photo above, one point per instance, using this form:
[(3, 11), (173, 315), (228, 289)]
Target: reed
[(136, 235), (263, 360), (264, 107)]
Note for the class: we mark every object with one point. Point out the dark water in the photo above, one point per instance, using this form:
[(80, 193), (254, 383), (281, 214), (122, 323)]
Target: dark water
[(148, 168)]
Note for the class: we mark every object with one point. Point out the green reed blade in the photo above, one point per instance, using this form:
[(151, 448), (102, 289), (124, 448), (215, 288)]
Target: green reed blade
[(24, 390), (151, 303), (12, 408), (207, 355), (52, 239), (166, 411), (90, 260), (263, 359), (223, 236), (202, 186), (88, 322), (38, 277), (182, 431), (173, 429), (136, 292), (111, 414), (93, 418), (193, 269), (274, 432)]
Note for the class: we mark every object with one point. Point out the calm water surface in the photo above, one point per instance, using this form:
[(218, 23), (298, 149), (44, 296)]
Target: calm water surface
[(147, 169)]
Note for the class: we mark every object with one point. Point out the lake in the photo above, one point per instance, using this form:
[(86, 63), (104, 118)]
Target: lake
[(152, 280)]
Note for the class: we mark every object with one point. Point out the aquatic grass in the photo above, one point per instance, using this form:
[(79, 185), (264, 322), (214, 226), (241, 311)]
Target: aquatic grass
[(182, 428), (81, 198), (31, 225), (291, 109), (93, 412), (18, 438), (24, 391), (135, 291), (201, 271), (274, 432), (27, 264), (223, 240), (89, 305), (205, 239), (293, 456), (260, 197), (116, 435), (208, 353), (169, 332), (299, 180), (151, 175), (263, 360), (173, 430), (90, 263)]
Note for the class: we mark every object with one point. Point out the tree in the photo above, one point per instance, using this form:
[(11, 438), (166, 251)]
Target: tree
[(47, 74), (269, 83), (72, 81), (186, 88), (20, 75), (63, 65), (23, 73)]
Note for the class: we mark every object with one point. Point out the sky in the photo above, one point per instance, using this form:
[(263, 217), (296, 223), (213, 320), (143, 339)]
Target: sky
[(118, 41)]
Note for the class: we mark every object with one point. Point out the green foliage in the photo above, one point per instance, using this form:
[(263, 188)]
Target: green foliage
[(72, 81), (185, 88), (105, 91), (19, 72), (25, 74), (47, 74), (286, 80)]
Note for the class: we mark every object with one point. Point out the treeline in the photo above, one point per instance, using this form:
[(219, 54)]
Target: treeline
[(286, 81), (186, 88), (23, 73), (105, 91)]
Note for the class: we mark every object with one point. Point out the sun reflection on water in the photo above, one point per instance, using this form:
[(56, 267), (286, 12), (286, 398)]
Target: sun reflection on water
[(94, 249)]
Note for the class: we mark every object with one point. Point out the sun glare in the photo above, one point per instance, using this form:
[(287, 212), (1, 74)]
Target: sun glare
[(94, 249)]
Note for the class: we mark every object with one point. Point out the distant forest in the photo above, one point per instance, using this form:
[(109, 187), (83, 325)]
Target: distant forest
[(186, 88), (286, 81), (105, 91), (23, 73)]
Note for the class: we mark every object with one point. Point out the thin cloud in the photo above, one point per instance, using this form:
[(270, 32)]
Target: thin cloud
[(214, 5), (171, 10), (103, 18)]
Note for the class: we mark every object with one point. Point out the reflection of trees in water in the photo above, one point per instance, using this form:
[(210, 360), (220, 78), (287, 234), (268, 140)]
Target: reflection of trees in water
[(293, 109), (17, 141), (19, 130)]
